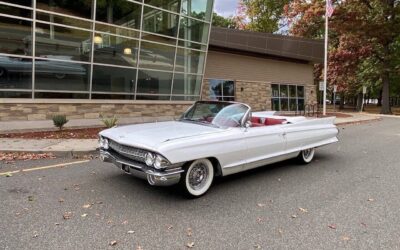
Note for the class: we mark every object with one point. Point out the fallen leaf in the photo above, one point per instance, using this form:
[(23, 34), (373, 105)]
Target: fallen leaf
[(345, 238), (170, 227), (332, 226), (294, 216), (35, 235), (280, 231), (189, 232), (67, 215), (261, 204), (57, 224), (87, 206), (256, 246), (99, 202), (362, 223), (190, 245), (303, 210), (370, 199), (124, 222), (131, 232), (139, 248), (113, 243), (30, 198), (8, 175), (279, 179), (260, 219), (83, 215)]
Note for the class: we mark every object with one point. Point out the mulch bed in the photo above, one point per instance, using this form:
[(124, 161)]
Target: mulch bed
[(338, 115), (85, 133)]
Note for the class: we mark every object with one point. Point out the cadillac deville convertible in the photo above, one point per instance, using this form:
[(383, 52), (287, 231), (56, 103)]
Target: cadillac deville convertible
[(212, 139)]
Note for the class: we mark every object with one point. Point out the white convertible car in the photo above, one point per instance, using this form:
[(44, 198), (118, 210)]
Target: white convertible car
[(212, 139)]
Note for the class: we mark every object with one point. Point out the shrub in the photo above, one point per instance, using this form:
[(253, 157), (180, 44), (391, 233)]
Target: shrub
[(59, 121), (109, 122)]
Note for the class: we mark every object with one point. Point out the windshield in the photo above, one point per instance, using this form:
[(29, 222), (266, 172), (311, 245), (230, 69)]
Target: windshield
[(220, 114)]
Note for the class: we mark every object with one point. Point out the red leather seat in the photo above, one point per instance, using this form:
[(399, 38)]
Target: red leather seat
[(255, 120), (272, 121)]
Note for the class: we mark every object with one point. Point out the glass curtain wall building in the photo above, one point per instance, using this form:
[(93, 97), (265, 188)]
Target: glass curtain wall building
[(103, 49)]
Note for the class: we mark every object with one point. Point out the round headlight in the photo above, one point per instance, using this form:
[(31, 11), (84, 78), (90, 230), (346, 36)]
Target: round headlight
[(103, 143), (158, 162), (149, 159)]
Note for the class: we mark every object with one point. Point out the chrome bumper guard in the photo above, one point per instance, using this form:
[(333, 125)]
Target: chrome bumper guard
[(154, 177)]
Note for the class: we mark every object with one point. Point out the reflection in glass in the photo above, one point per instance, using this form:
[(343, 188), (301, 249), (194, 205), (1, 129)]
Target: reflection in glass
[(116, 50), (300, 91), (171, 5), (157, 56), (275, 104), (113, 97), (186, 84), (113, 30), (15, 73), (275, 90), (49, 95), (191, 61), (27, 3), (193, 30), (292, 91), (153, 97), (117, 12), (301, 104), (185, 98), (160, 22), (215, 89), (228, 88), (284, 104), (292, 104), (55, 75), (158, 39), (70, 21), (113, 79), (154, 82), (13, 42), (12, 94), (14, 11), (191, 45), (222, 89), (62, 43), (200, 9), (79, 8), (284, 90)]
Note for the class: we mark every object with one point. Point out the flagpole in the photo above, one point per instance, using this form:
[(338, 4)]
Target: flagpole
[(325, 60)]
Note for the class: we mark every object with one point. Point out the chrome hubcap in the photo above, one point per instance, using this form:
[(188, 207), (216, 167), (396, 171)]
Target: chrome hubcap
[(198, 176)]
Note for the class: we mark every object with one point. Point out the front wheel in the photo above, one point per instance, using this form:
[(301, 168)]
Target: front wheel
[(198, 177), (307, 155)]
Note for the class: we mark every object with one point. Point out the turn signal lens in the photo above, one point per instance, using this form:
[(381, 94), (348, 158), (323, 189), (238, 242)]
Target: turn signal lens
[(103, 142), (160, 162)]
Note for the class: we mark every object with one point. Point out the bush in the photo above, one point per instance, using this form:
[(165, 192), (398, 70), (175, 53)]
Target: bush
[(109, 122), (59, 121)]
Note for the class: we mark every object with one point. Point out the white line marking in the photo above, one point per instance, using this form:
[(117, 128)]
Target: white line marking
[(44, 167)]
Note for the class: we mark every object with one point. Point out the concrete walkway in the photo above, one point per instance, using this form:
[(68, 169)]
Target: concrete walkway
[(79, 147)]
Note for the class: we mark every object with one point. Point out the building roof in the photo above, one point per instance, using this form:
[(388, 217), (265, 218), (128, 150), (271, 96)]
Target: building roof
[(266, 44)]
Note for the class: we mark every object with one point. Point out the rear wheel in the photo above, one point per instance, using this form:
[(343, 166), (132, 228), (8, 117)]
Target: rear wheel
[(198, 177), (307, 155)]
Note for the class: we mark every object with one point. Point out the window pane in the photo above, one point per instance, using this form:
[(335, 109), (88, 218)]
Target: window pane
[(154, 82), (160, 22), (275, 104), (292, 90), (112, 79), (12, 42), (193, 30), (284, 90), (228, 99), (116, 51), (300, 104), (122, 13), (185, 98), (15, 73), (165, 4), (284, 104), (292, 104), (81, 8), (122, 31), (153, 97), (215, 88), (186, 84), (158, 39), (191, 45), (10, 94), (157, 56), (113, 97), (229, 88), (62, 43), (191, 61), (275, 90), (197, 8), (300, 91), (27, 3), (61, 95), (57, 19), (14, 11), (54, 75)]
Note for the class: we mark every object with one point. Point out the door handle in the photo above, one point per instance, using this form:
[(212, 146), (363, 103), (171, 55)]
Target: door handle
[(284, 134)]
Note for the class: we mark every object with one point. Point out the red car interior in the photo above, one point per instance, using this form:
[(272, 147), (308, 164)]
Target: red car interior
[(256, 121)]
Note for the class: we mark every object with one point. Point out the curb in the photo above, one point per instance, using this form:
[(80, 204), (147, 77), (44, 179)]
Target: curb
[(69, 154), (358, 122)]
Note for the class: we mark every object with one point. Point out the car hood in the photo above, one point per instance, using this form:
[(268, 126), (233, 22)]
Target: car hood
[(151, 135)]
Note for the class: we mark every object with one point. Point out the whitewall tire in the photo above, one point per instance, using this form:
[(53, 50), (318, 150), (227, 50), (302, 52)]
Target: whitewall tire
[(307, 155), (198, 177)]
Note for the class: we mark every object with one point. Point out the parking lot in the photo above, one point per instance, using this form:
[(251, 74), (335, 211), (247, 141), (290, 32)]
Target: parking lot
[(347, 198)]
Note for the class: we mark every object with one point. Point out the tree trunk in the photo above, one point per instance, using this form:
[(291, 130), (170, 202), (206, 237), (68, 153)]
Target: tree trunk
[(379, 104), (359, 102), (385, 109), (341, 105)]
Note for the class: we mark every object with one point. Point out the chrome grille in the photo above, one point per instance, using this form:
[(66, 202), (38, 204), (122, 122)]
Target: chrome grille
[(136, 154)]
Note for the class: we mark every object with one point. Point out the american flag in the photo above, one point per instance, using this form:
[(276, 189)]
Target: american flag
[(329, 8)]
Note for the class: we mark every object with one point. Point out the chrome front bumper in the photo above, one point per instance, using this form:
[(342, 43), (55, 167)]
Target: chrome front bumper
[(153, 176)]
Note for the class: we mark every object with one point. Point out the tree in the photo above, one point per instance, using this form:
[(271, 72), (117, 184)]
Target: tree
[(225, 22), (359, 30), (264, 15)]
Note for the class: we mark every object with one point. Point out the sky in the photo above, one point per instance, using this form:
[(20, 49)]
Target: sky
[(225, 7)]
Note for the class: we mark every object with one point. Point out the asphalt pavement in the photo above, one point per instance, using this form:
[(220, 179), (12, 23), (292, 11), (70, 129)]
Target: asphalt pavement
[(347, 198)]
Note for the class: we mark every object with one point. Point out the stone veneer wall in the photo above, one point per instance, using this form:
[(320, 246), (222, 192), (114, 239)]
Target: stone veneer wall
[(45, 111)]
